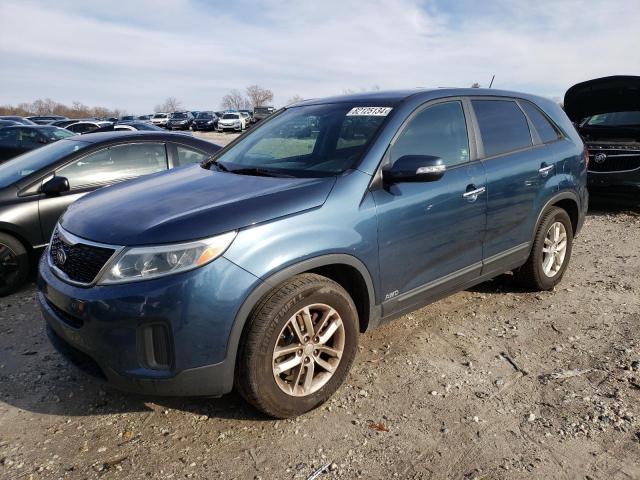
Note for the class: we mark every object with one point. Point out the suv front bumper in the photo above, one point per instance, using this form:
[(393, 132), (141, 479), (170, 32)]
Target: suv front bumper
[(113, 329)]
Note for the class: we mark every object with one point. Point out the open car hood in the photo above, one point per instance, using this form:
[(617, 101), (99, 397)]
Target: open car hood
[(619, 93)]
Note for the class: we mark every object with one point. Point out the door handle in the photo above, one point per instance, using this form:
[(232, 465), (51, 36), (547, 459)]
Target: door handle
[(544, 170), (472, 195)]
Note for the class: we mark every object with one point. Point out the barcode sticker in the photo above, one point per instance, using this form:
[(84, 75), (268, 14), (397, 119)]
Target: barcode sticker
[(369, 111)]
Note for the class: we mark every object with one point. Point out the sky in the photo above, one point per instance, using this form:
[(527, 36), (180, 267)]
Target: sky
[(132, 55)]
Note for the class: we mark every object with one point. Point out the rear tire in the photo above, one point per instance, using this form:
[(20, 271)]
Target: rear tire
[(14, 264), (298, 346), (550, 253)]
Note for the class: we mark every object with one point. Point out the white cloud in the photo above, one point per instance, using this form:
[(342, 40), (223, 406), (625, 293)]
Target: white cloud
[(135, 55)]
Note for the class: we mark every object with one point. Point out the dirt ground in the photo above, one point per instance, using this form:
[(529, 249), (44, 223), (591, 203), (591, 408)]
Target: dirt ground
[(491, 383)]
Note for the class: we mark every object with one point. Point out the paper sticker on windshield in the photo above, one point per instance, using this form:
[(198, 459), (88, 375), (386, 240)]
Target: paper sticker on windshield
[(369, 111)]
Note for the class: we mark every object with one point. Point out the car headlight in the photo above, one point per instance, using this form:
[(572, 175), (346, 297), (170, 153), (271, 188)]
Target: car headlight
[(141, 263)]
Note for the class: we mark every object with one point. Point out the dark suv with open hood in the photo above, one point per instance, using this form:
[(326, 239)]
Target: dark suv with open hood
[(606, 112)]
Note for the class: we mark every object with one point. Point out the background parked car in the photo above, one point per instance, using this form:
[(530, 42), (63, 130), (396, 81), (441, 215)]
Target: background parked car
[(129, 127), (66, 123), (8, 123), (205, 121), (607, 114), (37, 187), (180, 121), (18, 139), (160, 119), (260, 113), (145, 117), (45, 119), (246, 117), (231, 121), (15, 118), (86, 126)]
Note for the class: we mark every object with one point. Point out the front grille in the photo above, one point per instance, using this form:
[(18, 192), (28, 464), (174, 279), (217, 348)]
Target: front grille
[(79, 262), (613, 158)]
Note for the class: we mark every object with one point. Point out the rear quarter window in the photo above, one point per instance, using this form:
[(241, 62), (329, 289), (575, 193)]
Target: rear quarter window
[(547, 131), (503, 126)]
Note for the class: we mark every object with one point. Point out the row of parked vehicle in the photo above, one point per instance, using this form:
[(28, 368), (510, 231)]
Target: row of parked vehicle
[(258, 267), (236, 120)]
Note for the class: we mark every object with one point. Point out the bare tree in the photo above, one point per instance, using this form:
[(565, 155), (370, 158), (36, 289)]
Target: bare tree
[(234, 100), (259, 96), (295, 99), (170, 105), (48, 106), (475, 85)]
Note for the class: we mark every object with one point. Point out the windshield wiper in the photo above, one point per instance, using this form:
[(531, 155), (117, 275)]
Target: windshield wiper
[(212, 161), (260, 172)]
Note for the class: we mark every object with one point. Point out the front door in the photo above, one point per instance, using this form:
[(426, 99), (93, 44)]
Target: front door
[(430, 233)]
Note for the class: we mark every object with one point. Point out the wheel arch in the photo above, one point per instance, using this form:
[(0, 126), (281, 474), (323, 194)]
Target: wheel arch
[(566, 200), (344, 269), (9, 229)]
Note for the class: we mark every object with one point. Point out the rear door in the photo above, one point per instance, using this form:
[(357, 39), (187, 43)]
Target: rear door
[(520, 171), (98, 169), (430, 233)]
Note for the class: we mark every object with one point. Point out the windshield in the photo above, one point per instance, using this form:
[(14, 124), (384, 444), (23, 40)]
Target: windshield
[(146, 126), (56, 133), (614, 119), (263, 109), (230, 116), (205, 115), (160, 115), (27, 163), (309, 141), (179, 115)]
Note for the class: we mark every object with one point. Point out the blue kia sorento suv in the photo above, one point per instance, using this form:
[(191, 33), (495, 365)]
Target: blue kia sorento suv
[(259, 268)]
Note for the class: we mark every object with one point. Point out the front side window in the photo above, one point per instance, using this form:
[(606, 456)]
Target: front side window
[(115, 163), (28, 138), (439, 131), (503, 126), (307, 141), (188, 156)]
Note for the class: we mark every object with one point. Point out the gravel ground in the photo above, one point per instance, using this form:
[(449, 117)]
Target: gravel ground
[(489, 383)]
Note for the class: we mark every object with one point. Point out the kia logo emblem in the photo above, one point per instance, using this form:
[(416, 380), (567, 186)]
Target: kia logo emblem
[(61, 256), (600, 157)]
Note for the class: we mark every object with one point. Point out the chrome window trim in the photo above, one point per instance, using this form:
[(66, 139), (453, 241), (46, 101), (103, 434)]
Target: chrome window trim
[(72, 239)]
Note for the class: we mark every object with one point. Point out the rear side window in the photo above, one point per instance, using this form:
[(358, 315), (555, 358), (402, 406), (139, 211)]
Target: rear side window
[(9, 137), (546, 130), (503, 126), (115, 164)]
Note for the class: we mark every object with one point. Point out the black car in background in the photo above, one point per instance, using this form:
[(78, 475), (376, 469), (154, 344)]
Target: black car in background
[(180, 121), (18, 139), (606, 112), (260, 113), (37, 187), (67, 122), (129, 127), (45, 119), (205, 121), (87, 126), (15, 118)]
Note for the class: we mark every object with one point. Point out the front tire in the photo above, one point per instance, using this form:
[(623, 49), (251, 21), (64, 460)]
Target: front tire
[(298, 346), (550, 253), (14, 264)]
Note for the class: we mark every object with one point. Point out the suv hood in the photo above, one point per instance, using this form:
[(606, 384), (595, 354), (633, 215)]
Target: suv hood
[(187, 204), (620, 93)]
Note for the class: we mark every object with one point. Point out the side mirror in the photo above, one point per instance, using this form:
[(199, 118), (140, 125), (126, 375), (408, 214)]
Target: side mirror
[(55, 186), (414, 168)]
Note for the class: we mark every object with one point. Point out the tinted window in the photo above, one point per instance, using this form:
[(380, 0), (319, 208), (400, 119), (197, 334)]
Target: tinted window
[(115, 163), (541, 123), (82, 127), (188, 156), (205, 115), (28, 138), (503, 126), (26, 164), (440, 131), (9, 137), (230, 116), (56, 133)]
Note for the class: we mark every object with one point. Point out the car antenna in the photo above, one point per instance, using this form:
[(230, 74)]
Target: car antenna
[(492, 79)]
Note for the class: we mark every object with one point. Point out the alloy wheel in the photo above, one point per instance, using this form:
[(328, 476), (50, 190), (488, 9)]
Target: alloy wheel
[(554, 249), (308, 350), (9, 266)]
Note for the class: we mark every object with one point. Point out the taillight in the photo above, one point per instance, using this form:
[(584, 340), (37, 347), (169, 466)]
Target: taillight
[(586, 157)]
